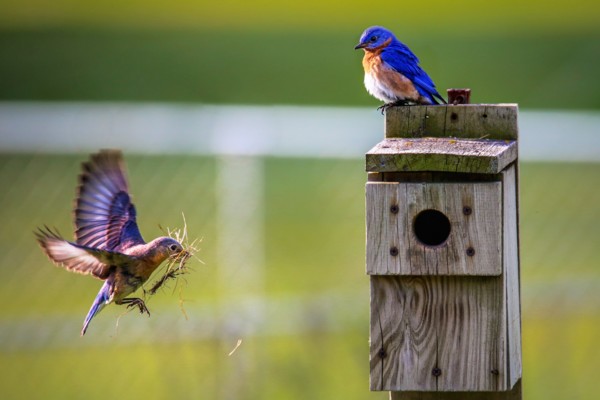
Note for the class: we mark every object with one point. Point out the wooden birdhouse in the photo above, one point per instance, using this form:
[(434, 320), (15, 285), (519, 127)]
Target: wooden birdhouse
[(443, 251)]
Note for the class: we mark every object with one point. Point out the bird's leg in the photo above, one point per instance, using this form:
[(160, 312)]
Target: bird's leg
[(136, 301)]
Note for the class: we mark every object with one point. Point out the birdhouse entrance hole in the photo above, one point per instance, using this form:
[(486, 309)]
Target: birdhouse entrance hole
[(431, 227)]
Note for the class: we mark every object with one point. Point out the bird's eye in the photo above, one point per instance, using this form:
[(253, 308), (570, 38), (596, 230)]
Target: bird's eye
[(173, 247), (373, 38)]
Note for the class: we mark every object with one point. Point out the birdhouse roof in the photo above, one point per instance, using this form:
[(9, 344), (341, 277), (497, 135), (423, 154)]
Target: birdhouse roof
[(466, 138), (441, 154)]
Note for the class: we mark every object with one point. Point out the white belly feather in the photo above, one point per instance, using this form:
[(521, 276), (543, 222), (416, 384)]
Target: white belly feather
[(379, 91)]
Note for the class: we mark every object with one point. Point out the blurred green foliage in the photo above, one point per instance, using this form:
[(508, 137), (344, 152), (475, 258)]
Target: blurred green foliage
[(310, 67), (533, 53), (328, 15), (314, 238)]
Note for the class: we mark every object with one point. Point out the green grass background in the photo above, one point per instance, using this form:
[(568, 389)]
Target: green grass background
[(314, 237), (537, 54), (541, 70)]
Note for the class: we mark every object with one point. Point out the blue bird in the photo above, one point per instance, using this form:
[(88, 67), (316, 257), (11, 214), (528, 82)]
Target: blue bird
[(392, 71), (108, 244)]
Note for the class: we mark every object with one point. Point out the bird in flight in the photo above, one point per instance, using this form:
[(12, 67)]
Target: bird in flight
[(108, 244), (392, 71)]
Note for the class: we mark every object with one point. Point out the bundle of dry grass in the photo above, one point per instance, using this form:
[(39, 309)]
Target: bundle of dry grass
[(176, 266)]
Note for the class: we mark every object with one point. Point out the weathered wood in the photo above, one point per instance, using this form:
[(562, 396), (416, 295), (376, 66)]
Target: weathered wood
[(511, 274), (403, 345), (385, 229), (374, 177), (514, 394), (437, 334), (474, 212), (441, 154), (445, 308), (475, 121)]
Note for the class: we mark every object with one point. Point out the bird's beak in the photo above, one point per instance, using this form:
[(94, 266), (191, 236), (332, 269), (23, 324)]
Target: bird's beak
[(181, 256), (360, 46)]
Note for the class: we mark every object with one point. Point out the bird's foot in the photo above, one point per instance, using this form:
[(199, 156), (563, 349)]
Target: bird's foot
[(136, 302), (397, 103), (401, 103), (384, 107)]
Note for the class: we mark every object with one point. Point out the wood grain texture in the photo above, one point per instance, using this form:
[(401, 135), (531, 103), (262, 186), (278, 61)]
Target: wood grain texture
[(512, 275), (514, 394), (445, 323), (403, 348), (476, 121), (449, 323), (441, 154), (386, 230), (480, 230)]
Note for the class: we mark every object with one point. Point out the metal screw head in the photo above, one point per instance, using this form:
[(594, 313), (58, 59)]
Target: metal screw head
[(454, 116), (467, 210), (436, 372), (393, 251), (470, 252), (394, 209)]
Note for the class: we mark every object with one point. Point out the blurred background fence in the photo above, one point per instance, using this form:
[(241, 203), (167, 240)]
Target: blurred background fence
[(251, 120)]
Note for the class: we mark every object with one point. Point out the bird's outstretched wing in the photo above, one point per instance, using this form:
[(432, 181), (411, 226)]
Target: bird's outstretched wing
[(78, 258), (399, 57), (105, 218)]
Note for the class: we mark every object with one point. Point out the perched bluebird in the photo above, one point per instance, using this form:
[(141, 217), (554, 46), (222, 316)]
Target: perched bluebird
[(108, 243), (392, 71)]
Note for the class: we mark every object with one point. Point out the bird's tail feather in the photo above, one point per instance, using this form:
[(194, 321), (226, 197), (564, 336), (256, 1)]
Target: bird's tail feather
[(438, 96), (102, 299)]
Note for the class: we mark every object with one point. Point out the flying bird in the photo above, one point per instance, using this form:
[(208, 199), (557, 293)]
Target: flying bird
[(392, 71), (108, 244)]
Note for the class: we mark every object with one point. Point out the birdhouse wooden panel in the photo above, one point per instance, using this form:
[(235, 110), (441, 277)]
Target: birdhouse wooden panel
[(437, 334), (442, 251), (434, 228)]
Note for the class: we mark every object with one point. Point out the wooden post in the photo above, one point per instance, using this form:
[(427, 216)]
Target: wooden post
[(442, 253)]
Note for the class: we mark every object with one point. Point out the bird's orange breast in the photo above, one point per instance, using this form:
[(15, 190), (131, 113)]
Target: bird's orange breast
[(371, 62), (389, 80)]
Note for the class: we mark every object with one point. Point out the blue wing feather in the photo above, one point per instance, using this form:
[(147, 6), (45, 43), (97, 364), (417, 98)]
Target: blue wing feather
[(399, 57), (105, 218)]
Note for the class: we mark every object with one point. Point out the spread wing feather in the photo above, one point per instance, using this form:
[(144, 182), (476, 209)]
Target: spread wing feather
[(78, 258), (105, 217)]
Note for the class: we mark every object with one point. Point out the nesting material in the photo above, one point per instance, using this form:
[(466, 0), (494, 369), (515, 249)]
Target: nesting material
[(176, 266)]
